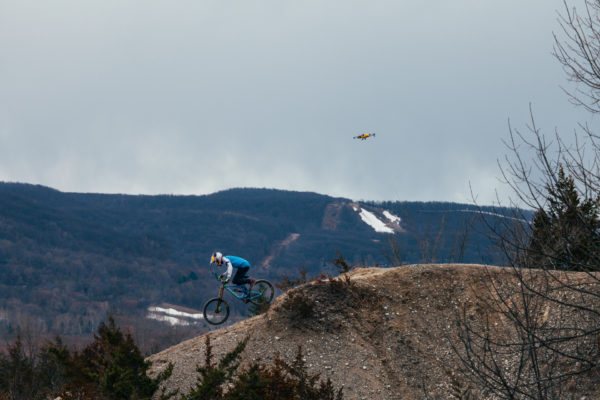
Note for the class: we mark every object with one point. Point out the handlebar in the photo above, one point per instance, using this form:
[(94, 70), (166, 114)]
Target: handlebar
[(217, 276), (215, 270)]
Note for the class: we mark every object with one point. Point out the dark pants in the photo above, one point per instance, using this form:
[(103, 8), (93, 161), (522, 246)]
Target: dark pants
[(240, 277)]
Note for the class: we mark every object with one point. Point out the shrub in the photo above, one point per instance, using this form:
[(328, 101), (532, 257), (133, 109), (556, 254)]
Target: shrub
[(298, 304), (341, 283), (341, 263), (286, 283), (281, 381)]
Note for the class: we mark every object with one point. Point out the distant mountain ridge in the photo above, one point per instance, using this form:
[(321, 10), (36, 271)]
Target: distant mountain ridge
[(68, 259)]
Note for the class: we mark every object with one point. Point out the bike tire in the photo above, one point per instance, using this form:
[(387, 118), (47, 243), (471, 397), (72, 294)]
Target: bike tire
[(216, 311), (266, 290)]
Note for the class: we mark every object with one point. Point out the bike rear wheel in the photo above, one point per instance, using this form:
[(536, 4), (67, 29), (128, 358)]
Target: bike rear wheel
[(216, 311), (262, 292)]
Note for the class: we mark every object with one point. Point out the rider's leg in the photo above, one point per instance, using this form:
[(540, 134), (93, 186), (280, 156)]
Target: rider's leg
[(240, 277)]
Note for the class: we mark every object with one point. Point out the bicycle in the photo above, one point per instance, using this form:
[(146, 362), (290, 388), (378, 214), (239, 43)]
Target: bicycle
[(216, 310)]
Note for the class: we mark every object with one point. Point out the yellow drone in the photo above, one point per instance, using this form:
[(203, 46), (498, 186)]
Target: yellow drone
[(364, 136)]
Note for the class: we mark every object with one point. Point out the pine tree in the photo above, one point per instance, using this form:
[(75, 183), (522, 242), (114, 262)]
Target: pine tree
[(566, 235), (17, 378), (115, 363), (110, 368), (211, 377), (280, 381)]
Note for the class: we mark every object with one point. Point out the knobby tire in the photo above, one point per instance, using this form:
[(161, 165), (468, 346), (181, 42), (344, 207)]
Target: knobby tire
[(268, 292), (210, 311)]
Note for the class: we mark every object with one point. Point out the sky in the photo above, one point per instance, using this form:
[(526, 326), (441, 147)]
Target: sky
[(197, 96)]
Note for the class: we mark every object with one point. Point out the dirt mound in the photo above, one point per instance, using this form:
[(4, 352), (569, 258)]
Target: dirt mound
[(378, 333)]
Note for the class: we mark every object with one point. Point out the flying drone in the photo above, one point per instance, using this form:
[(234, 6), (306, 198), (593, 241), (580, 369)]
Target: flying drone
[(364, 136)]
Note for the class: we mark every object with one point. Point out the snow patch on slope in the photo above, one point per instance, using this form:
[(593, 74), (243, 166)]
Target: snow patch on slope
[(370, 219), (172, 316), (391, 216)]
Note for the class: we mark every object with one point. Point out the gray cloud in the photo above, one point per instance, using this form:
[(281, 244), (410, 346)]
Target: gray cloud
[(196, 96)]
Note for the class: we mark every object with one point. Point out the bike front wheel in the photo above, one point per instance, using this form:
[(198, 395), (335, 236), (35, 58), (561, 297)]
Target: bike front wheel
[(216, 311), (262, 292)]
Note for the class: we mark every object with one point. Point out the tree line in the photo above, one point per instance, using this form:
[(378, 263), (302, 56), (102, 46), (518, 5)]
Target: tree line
[(112, 367)]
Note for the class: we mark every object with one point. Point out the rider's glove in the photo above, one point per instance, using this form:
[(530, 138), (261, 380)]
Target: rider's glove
[(223, 280)]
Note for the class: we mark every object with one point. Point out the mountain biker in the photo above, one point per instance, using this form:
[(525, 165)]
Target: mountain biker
[(242, 267)]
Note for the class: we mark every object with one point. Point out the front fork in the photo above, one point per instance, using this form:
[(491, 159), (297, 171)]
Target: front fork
[(220, 298)]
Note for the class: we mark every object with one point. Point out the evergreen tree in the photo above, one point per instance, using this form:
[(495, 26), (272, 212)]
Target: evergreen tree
[(115, 364), (566, 235), (280, 381), (250, 385), (58, 371), (110, 368), (17, 376), (211, 377)]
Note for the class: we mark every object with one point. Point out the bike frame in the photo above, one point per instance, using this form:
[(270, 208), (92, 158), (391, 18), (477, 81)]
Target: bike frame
[(214, 307), (238, 291)]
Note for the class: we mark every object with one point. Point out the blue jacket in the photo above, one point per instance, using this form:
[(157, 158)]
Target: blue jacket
[(234, 262), (237, 262)]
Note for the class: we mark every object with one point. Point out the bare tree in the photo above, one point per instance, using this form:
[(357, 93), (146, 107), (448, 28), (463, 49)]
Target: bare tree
[(578, 52), (537, 333), (533, 335)]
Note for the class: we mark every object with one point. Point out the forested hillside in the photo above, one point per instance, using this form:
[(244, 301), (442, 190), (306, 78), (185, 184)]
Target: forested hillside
[(67, 260)]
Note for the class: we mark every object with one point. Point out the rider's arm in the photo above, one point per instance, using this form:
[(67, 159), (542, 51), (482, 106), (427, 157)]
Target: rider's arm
[(229, 268)]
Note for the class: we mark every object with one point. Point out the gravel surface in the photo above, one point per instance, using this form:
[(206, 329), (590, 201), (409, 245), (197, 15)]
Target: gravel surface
[(378, 333)]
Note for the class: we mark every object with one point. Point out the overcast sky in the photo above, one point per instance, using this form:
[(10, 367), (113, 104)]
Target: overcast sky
[(192, 97)]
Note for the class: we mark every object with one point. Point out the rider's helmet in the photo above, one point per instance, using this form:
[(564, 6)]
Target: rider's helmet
[(216, 258)]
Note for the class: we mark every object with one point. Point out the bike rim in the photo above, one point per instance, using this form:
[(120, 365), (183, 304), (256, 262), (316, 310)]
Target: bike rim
[(216, 312)]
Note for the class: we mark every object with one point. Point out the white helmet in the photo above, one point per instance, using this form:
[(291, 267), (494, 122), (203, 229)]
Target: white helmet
[(217, 258)]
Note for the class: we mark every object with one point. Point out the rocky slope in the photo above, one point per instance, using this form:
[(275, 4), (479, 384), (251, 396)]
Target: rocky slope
[(378, 333)]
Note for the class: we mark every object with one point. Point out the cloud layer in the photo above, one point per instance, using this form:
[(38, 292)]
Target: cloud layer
[(190, 97)]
